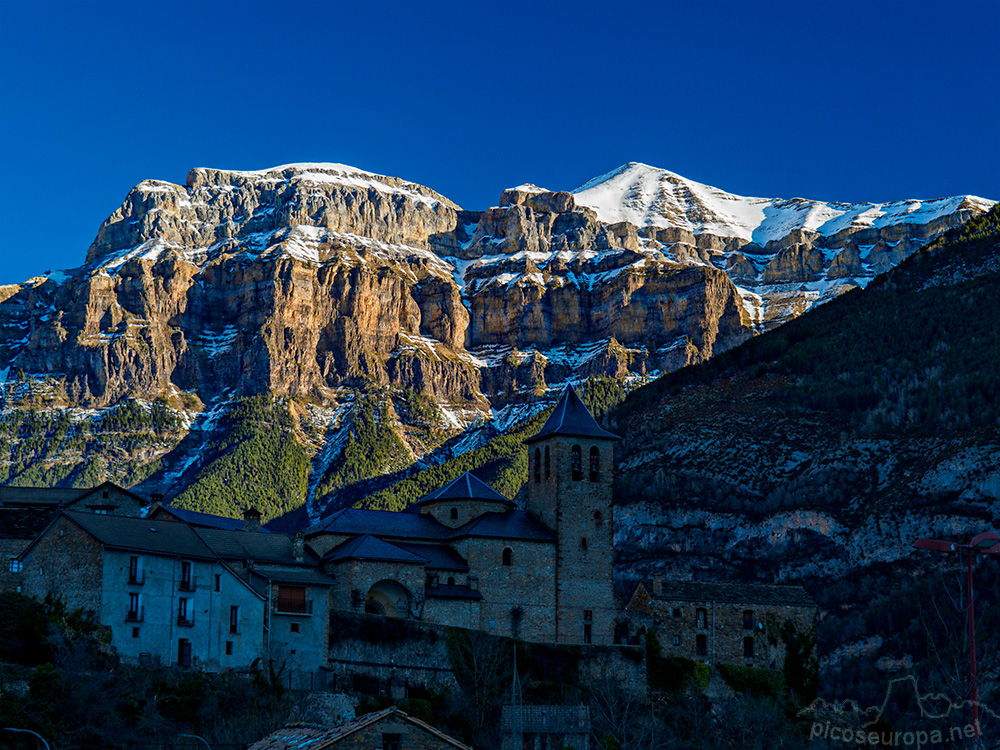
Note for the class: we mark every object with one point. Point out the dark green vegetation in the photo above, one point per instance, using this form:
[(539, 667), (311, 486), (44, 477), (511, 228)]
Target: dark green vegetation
[(502, 462), (818, 452), (257, 462), (47, 448), (79, 697)]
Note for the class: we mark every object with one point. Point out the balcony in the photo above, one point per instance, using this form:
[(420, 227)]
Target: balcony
[(185, 621), (189, 584), (292, 606), (136, 615), (136, 579)]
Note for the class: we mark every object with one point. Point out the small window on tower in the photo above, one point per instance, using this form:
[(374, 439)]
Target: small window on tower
[(748, 647), (547, 462), (454, 514), (538, 465), (595, 463), (577, 462), (583, 543), (598, 519), (508, 556)]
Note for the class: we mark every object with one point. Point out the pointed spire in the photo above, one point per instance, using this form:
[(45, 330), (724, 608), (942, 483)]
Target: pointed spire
[(466, 487), (571, 418)]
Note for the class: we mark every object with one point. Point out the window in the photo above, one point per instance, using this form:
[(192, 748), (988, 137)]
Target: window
[(595, 463), (134, 607), (218, 582), (105, 494), (135, 632), (576, 455), (451, 580), (701, 618), (185, 613), (583, 543), (677, 640), (135, 569), (702, 645), (748, 647), (234, 619), (229, 648), (454, 514), (294, 627), (187, 582), (184, 652), (588, 632), (546, 462), (516, 616), (16, 566), (748, 619), (538, 465), (598, 519), (292, 599), (390, 741), (676, 612), (508, 556)]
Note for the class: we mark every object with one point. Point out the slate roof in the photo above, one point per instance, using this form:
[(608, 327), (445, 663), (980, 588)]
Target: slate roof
[(383, 523), (438, 556), (172, 538), (305, 576), (311, 737), (571, 418), (368, 547), (731, 593), (40, 495), (511, 524), (466, 487), (203, 519), (229, 544), (454, 591)]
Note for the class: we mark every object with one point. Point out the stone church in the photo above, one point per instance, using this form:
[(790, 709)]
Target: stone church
[(469, 557)]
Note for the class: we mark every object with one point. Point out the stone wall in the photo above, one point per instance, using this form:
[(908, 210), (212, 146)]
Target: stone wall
[(66, 561), (526, 586), (411, 736), (361, 575), (10, 549)]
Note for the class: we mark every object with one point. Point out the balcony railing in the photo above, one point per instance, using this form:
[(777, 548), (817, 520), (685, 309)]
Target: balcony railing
[(137, 579), (185, 621), (134, 615), (292, 606), (189, 584)]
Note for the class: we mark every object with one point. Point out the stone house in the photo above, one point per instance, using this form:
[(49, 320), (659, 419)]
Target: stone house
[(467, 556), (171, 593), (26, 511), (721, 623), (545, 728), (390, 729)]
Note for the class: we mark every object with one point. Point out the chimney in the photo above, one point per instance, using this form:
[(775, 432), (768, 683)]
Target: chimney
[(657, 585), (251, 519), (299, 546)]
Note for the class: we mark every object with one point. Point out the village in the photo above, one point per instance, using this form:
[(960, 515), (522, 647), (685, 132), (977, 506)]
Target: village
[(192, 591)]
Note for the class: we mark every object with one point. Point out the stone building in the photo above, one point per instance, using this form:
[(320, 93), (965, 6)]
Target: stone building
[(26, 511), (545, 728), (171, 593), (469, 557), (389, 729), (721, 623)]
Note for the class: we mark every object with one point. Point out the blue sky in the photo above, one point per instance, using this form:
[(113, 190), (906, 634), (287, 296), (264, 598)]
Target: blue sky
[(849, 101)]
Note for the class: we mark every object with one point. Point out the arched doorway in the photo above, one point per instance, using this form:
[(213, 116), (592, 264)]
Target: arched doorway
[(389, 599)]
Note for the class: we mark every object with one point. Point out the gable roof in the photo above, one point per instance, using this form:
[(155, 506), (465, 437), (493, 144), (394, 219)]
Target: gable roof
[(466, 487), (730, 593), (368, 547), (383, 523), (195, 518), (571, 418), (230, 544), (311, 737), (172, 538), (511, 524), (40, 495), (306, 576), (438, 556)]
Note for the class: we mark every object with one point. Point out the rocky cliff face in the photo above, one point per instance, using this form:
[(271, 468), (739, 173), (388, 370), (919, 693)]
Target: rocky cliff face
[(310, 281)]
